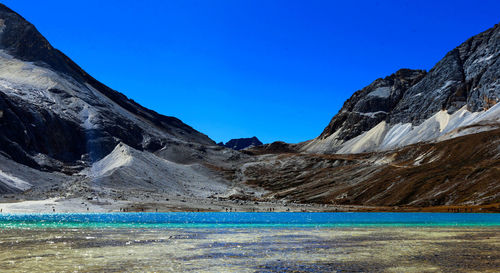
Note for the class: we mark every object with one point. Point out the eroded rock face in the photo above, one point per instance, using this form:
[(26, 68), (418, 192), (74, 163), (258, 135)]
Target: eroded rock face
[(468, 76), (62, 132)]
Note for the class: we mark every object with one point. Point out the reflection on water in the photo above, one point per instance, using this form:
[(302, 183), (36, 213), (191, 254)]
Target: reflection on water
[(251, 250)]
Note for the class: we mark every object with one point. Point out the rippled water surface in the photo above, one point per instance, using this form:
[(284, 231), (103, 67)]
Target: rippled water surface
[(250, 242)]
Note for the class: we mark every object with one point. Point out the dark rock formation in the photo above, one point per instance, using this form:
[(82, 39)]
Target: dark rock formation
[(60, 131), (242, 143), (277, 147)]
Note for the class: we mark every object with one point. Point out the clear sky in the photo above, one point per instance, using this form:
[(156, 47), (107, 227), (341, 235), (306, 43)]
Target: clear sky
[(278, 70)]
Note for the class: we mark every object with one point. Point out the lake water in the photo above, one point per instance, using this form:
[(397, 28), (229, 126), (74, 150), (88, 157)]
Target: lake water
[(244, 220), (250, 242)]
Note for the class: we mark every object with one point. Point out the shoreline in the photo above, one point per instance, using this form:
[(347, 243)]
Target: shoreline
[(185, 204)]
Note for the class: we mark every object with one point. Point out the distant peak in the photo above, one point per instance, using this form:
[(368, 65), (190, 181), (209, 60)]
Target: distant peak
[(242, 143)]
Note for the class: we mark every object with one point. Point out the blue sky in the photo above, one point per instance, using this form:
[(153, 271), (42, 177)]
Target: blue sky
[(278, 70)]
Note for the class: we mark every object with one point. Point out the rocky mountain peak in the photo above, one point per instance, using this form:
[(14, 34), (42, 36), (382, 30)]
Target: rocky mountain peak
[(386, 113)]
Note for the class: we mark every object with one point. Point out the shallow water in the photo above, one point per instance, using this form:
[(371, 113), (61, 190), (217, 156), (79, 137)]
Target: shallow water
[(378, 245)]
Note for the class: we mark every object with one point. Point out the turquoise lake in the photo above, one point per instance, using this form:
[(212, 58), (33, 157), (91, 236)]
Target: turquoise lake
[(244, 220)]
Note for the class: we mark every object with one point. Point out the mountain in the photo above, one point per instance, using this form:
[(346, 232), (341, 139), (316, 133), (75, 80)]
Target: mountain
[(413, 138), (458, 96), (54, 111), (63, 133), (242, 143)]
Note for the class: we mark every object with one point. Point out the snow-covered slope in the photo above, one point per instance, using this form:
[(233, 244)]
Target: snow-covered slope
[(414, 138)]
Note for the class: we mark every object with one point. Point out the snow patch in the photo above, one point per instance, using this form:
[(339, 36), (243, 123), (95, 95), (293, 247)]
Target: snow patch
[(322, 145), (14, 182), (395, 133), (442, 118), (442, 126), (484, 59), (371, 114)]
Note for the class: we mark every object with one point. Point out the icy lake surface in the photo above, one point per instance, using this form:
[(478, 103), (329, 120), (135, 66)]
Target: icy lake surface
[(250, 242)]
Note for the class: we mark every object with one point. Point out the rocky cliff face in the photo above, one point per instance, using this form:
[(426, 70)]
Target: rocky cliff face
[(469, 76), (390, 112)]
